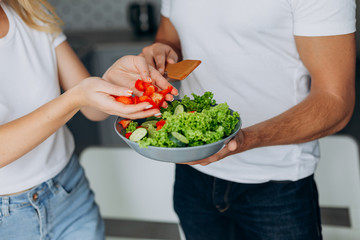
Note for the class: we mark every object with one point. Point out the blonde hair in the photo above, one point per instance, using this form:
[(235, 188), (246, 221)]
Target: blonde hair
[(35, 12)]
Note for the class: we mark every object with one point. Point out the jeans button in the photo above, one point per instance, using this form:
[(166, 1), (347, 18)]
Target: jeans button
[(35, 196)]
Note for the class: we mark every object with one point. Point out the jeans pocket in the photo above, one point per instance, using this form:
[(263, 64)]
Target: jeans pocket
[(70, 180)]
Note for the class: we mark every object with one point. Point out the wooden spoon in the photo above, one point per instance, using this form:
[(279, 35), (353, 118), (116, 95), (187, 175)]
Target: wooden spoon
[(182, 69)]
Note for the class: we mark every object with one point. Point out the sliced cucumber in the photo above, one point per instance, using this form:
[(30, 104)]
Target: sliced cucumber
[(151, 130), (151, 122), (179, 139), (138, 134), (179, 109)]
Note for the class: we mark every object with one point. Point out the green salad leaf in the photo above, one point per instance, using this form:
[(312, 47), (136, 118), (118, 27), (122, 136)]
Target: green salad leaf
[(132, 126), (202, 122)]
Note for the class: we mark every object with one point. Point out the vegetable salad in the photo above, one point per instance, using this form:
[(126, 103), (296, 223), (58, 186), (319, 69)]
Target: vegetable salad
[(189, 122)]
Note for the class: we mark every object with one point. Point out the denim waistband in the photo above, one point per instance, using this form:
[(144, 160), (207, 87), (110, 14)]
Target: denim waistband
[(35, 194)]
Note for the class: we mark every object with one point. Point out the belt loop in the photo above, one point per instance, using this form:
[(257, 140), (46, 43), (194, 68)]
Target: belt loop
[(5, 206), (51, 185)]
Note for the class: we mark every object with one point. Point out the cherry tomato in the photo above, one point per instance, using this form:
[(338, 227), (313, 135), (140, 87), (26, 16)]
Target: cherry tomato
[(149, 90), (158, 99), (167, 90), (125, 123), (149, 100), (161, 122), (136, 99), (139, 85), (124, 99)]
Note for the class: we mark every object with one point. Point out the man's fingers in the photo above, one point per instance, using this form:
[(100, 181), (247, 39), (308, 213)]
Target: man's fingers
[(214, 158), (172, 57), (232, 145), (159, 58)]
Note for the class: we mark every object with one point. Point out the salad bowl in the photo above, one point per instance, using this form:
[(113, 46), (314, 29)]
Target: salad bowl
[(176, 154)]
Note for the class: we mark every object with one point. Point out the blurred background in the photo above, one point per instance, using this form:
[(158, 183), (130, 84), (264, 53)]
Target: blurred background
[(103, 31)]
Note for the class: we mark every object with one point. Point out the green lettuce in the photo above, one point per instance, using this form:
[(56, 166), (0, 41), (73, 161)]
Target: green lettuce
[(201, 123)]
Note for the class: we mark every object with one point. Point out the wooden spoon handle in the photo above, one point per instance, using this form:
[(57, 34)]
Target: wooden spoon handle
[(182, 69)]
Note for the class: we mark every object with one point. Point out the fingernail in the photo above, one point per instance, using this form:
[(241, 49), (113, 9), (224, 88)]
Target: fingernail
[(148, 79), (148, 106), (157, 114), (129, 92)]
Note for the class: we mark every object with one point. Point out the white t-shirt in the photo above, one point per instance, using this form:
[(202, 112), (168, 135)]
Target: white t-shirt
[(249, 60), (29, 79)]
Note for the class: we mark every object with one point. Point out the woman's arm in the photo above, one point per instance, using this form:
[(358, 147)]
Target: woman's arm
[(71, 72), (92, 95), (23, 134)]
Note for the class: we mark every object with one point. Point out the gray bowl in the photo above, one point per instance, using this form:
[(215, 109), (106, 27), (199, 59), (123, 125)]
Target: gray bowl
[(176, 154)]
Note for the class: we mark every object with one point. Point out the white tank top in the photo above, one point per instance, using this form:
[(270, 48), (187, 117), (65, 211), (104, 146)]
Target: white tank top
[(29, 79)]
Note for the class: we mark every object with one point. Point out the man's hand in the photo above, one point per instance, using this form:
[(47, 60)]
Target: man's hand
[(233, 147), (158, 54)]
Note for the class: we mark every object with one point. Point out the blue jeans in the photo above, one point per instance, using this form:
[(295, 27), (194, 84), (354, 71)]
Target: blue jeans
[(210, 208), (60, 208)]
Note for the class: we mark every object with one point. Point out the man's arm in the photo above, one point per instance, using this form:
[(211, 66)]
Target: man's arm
[(167, 34), (166, 49), (326, 110)]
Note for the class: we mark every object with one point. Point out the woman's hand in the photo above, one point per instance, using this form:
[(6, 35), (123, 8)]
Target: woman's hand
[(125, 71), (97, 93)]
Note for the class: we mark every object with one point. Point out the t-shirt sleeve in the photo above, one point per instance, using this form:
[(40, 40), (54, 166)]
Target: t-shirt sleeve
[(324, 17), (59, 39), (165, 8)]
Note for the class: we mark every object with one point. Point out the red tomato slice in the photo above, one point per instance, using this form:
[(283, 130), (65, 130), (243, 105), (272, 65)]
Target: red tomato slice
[(149, 100), (158, 99), (167, 90), (127, 135), (161, 122), (124, 99), (149, 90), (146, 85), (139, 85), (125, 123), (136, 99)]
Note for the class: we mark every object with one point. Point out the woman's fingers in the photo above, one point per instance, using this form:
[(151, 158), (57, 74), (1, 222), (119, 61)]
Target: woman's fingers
[(113, 89)]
